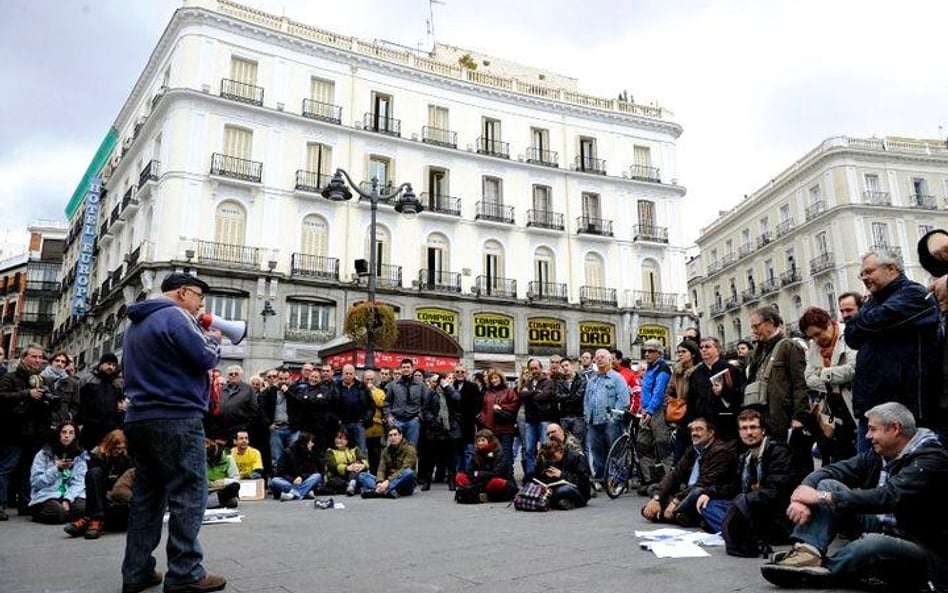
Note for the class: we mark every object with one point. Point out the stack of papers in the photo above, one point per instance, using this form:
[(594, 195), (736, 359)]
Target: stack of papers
[(670, 542)]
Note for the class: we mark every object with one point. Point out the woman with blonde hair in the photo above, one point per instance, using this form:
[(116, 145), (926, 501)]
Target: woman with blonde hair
[(106, 507)]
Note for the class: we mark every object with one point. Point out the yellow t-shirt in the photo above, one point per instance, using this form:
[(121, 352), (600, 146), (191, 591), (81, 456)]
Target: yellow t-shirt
[(247, 463)]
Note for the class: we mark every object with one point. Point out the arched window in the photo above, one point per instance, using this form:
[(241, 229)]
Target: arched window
[(493, 266), (544, 270), (720, 335), (383, 243), (230, 223), (738, 329), (651, 277), (315, 236), (594, 270), (436, 261)]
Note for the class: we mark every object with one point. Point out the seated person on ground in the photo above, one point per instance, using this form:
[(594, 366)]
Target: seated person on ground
[(396, 475), (486, 477), (756, 517), (249, 460), (222, 476), (566, 473), (555, 432), (346, 467), (58, 478), (890, 504), (108, 462), (297, 472), (707, 467)]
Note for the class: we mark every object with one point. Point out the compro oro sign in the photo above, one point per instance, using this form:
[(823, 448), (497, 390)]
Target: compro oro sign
[(653, 332), (546, 336), (443, 319), (493, 333), (596, 334)]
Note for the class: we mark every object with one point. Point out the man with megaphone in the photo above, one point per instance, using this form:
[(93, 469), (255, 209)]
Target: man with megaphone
[(167, 357)]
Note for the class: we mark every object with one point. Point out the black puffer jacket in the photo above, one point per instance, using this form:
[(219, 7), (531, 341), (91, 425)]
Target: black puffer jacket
[(539, 400), (573, 468), (22, 418)]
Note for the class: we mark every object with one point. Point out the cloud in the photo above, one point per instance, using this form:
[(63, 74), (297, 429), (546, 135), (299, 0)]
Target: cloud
[(35, 180)]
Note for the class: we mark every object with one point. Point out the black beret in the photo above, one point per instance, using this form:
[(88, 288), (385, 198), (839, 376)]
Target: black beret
[(934, 266), (177, 280)]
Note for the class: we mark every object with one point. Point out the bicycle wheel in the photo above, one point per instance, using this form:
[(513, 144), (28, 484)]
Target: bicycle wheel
[(617, 467)]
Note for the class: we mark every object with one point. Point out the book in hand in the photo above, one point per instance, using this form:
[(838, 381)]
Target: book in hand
[(554, 484), (719, 377)]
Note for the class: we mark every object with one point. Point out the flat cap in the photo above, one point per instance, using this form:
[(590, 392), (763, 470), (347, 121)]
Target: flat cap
[(177, 280)]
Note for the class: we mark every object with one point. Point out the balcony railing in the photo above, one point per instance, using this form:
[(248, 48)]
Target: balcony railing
[(663, 301), (717, 309), (645, 173), (541, 156), (388, 276), (292, 334), (493, 147), (876, 197), (598, 295), (132, 258), (554, 292), (593, 226), (769, 285), (224, 165), (750, 295), (40, 287), (439, 136), (441, 204), (545, 219), (150, 172), (764, 239), (228, 254), (439, 280), (494, 212), (495, 286), (311, 181), (728, 258), (314, 266), (790, 277), (650, 232), (322, 111), (784, 227), (129, 201), (590, 165), (821, 263), (814, 209), (386, 187), (923, 201), (376, 122), (241, 91), (732, 303), (35, 321), (744, 249)]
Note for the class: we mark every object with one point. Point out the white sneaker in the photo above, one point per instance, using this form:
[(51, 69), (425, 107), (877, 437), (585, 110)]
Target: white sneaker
[(287, 496)]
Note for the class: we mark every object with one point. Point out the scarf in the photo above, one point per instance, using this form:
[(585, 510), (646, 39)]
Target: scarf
[(443, 416), (827, 352), (52, 374)]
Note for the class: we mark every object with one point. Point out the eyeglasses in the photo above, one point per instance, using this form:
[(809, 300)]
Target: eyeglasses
[(233, 374), (649, 350), (197, 293)]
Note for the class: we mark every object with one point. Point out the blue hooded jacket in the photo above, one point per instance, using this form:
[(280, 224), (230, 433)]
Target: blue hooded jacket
[(166, 358)]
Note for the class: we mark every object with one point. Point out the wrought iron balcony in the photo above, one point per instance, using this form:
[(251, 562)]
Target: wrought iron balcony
[(495, 286), (385, 187), (784, 227), (732, 303), (744, 249), (545, 219), (661, 301), (37, 322), (728, 258), (388, 276), (750, 295), (590, 165), (241, 91), (924, 202), (815, 209), (439, 280), (131, 259), (769, 285), (650, 232), (876, 197), (314, 266), (593, 226), (764, 239), (150, 172), (439, 136), (790, 277), (308, 335), (598, 295), (494, 212), (228, 254), (115, 219), (645, 173), (311, 181), (714, 267), (441, 204), (322, 111), (554, 292), (38, 287), (821, 263), (492, 147), (224, 165), (377, 122), (541, 156)]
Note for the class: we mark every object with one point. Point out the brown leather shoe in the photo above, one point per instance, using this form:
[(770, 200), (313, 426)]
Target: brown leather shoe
[(210, 582), (154, 581)]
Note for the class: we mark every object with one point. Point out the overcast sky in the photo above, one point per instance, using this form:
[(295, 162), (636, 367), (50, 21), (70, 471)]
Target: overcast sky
[(754, 84)]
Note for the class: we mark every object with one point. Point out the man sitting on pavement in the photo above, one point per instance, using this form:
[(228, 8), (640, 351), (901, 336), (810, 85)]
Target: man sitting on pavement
[(396, 475), (555, 432), (755, 518), (890, 501), (566, 473), (708, 467), (249, 460)]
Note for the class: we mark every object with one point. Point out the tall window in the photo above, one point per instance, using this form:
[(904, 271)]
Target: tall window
[(751, 285), (829, 292), (542, 202), (765, 226), (738, 328), (729, 247), (437, 188), (322, 91), (493, 263), (880, 234), (309, 315), (745, 238), (651, 277), (815, 197), (594, 270), (872, 184), (798, 306), (591, 206), (383, 242), (228, 306), (733, 285), (646, 212), (820, 243), (642, 156), (769, 270), (380, 168), (493, 191), (784, 212), (721, 335), (438, 117), (243, 71), (315, 236), (587, 150), (238, 142), (491, 133), (319, 160), (540, 140), (229, 224), (382, 108), (436, 253), (543, 269)]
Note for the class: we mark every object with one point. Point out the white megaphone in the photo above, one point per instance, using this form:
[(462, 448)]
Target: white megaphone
[(235, 331)]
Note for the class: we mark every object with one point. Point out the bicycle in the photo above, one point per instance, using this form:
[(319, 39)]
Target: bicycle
[(622, 461)]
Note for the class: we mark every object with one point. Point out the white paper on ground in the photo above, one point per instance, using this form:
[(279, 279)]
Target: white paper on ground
[(217, 516), (661, 533), (677, 549)]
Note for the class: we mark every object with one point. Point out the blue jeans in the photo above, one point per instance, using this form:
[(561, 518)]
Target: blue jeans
[(507, 445), (862, 445), (9, 456), (713, 513), (534, 433), (410, 429), (558, 493), (465, 455), (403, 483), (599, 437), (357, 434), (170, 471), (280, 439), (279, 485)]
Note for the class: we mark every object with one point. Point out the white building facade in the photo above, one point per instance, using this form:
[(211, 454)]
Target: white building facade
[(798, 242), (541, 203)]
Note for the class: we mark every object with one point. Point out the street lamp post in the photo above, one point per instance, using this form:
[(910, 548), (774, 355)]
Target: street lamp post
[(407, 204)]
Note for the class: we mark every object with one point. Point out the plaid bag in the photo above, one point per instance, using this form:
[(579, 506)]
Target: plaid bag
[(534, 496)]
